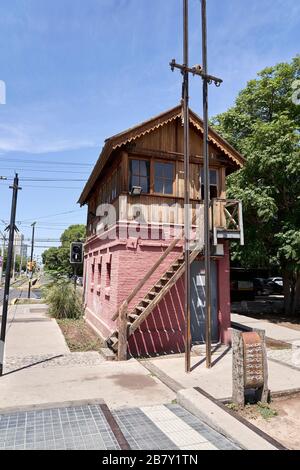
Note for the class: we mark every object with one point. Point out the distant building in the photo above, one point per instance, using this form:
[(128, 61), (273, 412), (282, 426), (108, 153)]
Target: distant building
[(19, 246)]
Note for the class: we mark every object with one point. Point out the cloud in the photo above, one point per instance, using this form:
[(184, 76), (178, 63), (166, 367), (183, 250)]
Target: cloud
[(28, 139)]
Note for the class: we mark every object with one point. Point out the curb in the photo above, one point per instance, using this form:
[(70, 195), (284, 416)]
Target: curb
[(219, 418), (50, 406)]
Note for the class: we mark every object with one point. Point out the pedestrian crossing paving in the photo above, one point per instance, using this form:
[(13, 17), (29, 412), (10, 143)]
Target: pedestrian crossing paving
[(93, 427)]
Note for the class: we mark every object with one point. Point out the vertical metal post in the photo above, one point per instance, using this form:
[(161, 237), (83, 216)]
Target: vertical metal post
[(186, 187), (9, 261), (206, 189), (31, 258)]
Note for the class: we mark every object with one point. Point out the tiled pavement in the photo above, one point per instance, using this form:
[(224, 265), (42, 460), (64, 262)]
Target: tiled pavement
[(167, 427)]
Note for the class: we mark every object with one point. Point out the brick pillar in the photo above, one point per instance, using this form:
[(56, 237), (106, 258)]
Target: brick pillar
[(224, 296)]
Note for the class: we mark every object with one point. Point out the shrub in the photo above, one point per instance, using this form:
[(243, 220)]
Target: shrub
[(63, 300)]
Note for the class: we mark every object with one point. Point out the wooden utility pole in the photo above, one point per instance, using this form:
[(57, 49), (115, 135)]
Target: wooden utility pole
[(12, 229)]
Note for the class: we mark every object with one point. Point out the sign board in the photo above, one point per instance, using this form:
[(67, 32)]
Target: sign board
[(253, 360)]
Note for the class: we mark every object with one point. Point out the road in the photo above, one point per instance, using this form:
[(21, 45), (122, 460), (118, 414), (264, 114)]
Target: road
[(16, 292)]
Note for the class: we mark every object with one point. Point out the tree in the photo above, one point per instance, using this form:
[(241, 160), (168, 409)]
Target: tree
[(264, 125), (58, 259)]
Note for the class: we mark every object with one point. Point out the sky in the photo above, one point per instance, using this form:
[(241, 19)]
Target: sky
[(77, 72)]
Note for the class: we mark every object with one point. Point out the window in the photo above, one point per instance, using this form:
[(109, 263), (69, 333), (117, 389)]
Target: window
[(92, 276), (108, 274), (163, 178), (140, 174), (214, 192), (99, 274)]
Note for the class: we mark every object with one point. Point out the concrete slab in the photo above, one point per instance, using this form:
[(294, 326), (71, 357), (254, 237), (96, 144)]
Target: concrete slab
[(223, 422), (218, 380), (272, 330), (30, 332), (120, 384)]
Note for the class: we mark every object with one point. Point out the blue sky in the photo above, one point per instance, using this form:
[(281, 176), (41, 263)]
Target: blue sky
[(79, 71)]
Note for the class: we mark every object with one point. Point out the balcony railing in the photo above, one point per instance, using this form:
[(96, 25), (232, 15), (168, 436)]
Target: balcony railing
[(226, 220)]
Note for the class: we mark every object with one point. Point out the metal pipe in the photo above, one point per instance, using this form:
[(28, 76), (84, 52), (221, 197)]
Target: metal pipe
[(206, 189), (31, 258), (186, 188)]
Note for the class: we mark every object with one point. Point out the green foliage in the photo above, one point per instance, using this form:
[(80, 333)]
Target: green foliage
[(266, 411), (264, 125), (63, 300), (58, 259)]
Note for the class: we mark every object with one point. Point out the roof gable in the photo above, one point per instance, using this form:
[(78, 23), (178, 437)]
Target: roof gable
[(134, 133)]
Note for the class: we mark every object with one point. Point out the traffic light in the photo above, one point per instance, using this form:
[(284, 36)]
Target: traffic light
[(30, 266), (76, 253)]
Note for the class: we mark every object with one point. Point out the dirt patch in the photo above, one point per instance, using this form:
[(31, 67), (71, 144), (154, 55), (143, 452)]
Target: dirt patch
[(79, 336), (276, 344), (281, 419)]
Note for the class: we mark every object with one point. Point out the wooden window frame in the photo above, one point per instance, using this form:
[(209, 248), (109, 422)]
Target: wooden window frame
[(149, 161), (218, 185), (164, 162)]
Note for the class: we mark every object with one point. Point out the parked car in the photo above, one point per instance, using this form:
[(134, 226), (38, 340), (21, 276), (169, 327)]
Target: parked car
[(241, 285), (259, 284), (274, 285)]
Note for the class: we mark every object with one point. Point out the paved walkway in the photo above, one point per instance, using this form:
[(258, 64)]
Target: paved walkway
[(39, 361), (218, 380), (279, 333), (94, 427)]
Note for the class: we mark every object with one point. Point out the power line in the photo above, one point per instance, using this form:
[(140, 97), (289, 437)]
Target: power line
[(53, 215), (45, 170)]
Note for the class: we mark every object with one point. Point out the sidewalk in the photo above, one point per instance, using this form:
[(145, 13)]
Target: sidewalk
[(39, 369), (273, 331)]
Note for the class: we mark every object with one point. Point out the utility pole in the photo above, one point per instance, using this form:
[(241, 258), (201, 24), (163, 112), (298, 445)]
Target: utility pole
[(207, 202), (186, 115), (202, 72), (31, 258), (12, 229)]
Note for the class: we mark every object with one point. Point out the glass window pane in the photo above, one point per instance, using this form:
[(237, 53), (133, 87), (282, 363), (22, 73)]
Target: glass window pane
[(168, 187), (169, 171), (143, 168), (159, 170), (135, 181), (158, 185), (213, 177), (144, 184), (135, 167), (213, 192)]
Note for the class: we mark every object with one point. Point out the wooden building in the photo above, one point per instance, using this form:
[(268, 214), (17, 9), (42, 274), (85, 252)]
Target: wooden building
[(134, 249)]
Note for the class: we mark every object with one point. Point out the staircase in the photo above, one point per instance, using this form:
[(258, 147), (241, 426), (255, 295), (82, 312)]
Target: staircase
[(139, 313)]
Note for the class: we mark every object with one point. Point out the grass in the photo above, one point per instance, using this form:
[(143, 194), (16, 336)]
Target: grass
[(79, 336), (253, 411)]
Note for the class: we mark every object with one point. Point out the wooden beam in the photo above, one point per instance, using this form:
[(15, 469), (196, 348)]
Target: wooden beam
[(123, 332), (161, 294), (149, 274)]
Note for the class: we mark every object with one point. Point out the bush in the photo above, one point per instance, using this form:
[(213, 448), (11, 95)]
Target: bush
[(63, 300)]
